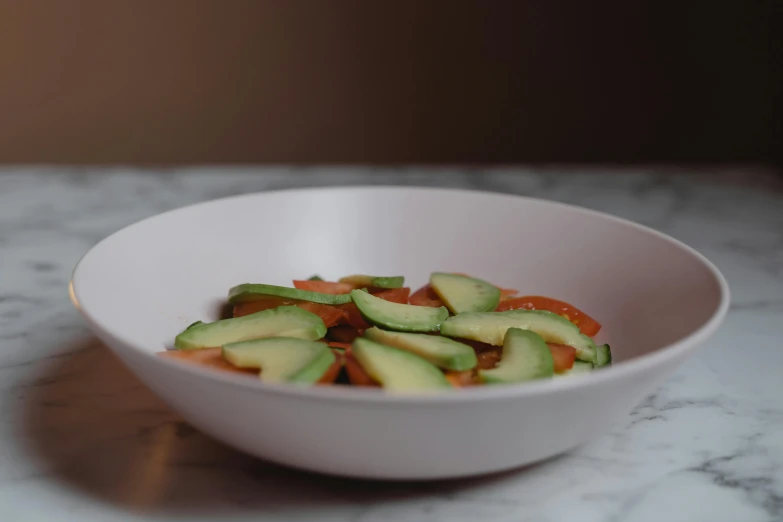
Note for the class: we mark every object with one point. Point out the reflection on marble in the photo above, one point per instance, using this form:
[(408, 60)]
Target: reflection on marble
[(81, 439)]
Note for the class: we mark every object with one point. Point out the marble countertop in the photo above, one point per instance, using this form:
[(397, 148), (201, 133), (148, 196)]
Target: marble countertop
[(82, 440)]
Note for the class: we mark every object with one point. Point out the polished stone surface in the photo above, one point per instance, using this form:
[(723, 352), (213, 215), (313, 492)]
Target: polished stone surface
[(82, 440)]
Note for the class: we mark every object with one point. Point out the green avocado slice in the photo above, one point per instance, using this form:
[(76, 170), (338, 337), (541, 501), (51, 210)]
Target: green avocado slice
[(440, 351), (491, 327), (282, 359), (395, 316), (397, 370), (579, 368), (603, 356), (465, 294), (258, 292), (374, 281), (283, 321), (525, 357)]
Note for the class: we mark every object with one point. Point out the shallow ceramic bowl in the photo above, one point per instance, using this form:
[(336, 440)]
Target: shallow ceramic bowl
[(658, 301)]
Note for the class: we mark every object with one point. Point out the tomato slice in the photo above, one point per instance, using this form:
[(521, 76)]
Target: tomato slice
[(395, 295), (334, 370), (356, 374), (563, 356), (587, 325), (343, 333), (251, 307), (507, 293), (425, 296), (342, 346), (461, 379), (354, 317), (477, 345), (489, 359), (211, 357), (325, 287), (331, 315)]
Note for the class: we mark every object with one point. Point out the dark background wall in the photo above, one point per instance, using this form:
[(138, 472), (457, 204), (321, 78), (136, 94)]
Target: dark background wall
[(184, 81)]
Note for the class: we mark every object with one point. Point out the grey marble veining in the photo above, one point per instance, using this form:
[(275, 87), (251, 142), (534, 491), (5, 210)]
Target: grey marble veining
[(82, 440)]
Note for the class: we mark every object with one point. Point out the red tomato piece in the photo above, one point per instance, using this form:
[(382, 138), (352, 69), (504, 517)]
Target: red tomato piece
[(489, 359), (461, 379), (356, 374), (353, 316), (587, 325), (210, 357), (325, 287), (331, 315), (488, 355), (425, 296), (343, 346), (343, 333), (507, 293), (334, 370), (477, 345), (563, 356), (395, 295), (251, 307)]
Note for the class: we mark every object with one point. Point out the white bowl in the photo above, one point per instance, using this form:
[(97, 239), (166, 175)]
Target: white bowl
[(657, 299)]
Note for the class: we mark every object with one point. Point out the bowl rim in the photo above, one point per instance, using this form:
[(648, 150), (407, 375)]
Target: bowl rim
[(625, 369)]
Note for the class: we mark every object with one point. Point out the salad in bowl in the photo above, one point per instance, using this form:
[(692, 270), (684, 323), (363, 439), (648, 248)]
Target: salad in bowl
[(457, 331)]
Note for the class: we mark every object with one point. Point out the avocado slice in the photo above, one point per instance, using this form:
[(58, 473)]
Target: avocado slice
[(397, 370), (282, 359), (465, 294), (254, 292), (374, 281), (490, 327), (525, 357), (395, 316), (603, 355), (283, 321), (440, 351), (579, 367)]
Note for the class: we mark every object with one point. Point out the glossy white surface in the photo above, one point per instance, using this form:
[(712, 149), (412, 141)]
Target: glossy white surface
[(82, 440)]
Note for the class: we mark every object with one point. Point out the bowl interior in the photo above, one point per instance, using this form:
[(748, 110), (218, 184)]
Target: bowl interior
[(147, 282)]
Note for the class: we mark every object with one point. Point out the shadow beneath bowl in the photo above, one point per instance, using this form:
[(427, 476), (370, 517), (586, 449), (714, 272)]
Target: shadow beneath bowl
[(96, 428)]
